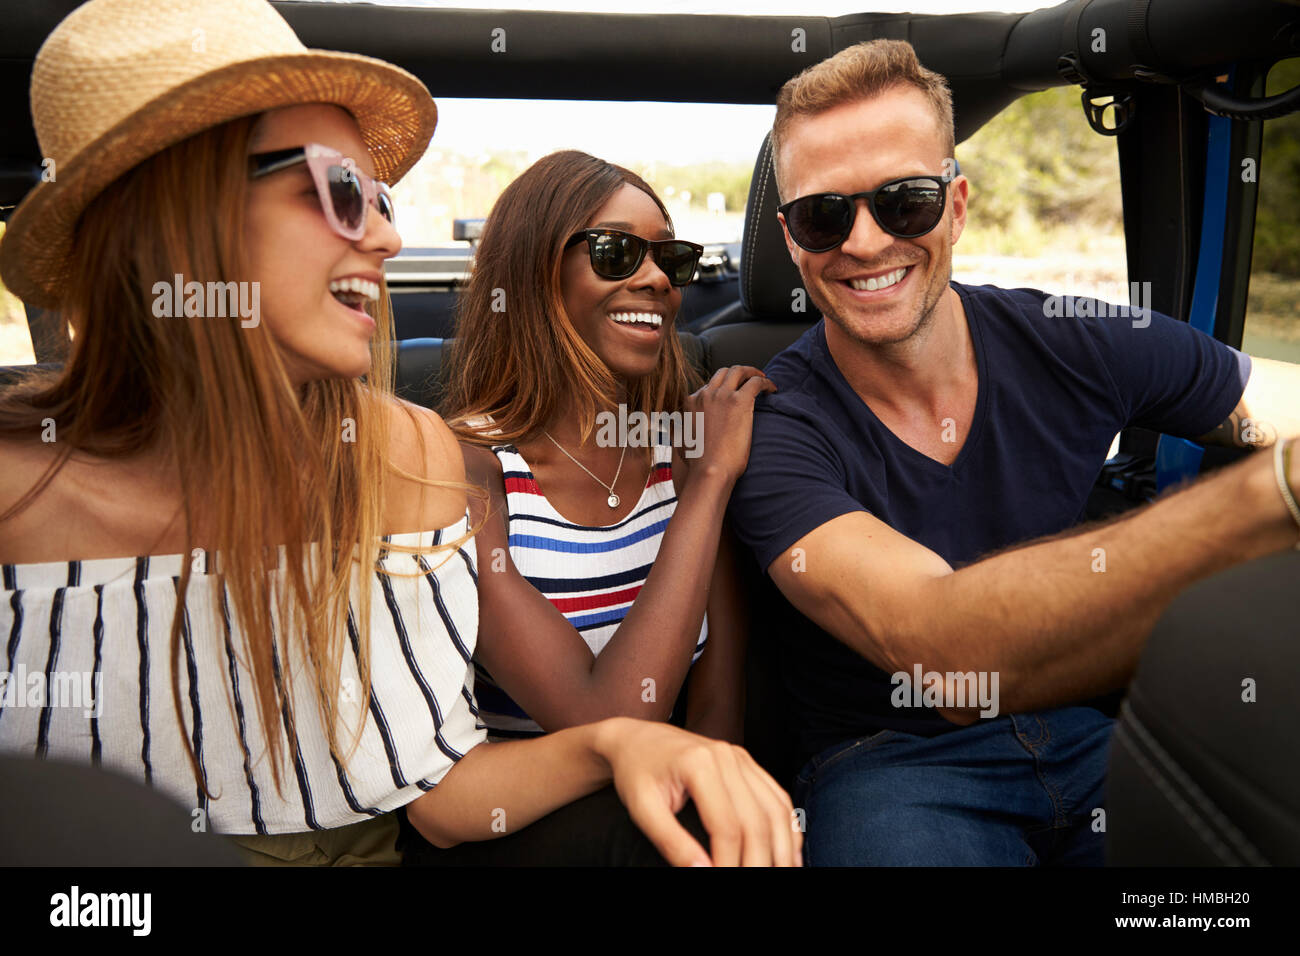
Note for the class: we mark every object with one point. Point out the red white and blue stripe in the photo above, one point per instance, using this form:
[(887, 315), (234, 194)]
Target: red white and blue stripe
[(591, 575)]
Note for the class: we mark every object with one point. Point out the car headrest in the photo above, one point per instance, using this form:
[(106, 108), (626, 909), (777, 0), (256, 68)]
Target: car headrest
[(420, 366), (418, 370), (770, 286)]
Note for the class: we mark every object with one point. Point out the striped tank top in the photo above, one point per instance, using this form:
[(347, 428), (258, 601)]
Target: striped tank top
[(86, 649), (590, 574)]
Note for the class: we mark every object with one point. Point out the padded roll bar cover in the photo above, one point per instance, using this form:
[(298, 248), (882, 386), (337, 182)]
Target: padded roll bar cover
[(1200, 776), (1173, 37)]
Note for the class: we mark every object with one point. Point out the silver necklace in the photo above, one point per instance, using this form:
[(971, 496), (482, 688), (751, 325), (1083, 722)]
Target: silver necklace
[(613, 499)]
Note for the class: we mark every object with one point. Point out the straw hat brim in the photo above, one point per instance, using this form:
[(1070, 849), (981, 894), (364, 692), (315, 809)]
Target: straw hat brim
[(393, 109)]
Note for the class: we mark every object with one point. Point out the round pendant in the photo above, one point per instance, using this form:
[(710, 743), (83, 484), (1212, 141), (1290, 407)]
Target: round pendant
[(613, 501)]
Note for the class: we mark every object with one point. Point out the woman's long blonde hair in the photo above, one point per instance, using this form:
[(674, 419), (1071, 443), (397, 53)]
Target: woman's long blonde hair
[(260, 461), (517, 357)]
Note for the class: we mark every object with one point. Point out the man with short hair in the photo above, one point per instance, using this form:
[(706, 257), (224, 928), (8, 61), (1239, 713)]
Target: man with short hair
[(925, 426)]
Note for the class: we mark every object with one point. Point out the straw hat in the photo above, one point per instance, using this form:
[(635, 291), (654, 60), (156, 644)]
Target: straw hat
[(121, 80)]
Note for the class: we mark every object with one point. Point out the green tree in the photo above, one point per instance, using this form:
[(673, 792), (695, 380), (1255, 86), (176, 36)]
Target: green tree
[(1277, 240), (730, 179), (1038, 161)]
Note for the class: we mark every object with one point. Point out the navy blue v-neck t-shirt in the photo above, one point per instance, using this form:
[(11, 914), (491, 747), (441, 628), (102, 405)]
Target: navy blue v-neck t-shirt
[(1053, 393)]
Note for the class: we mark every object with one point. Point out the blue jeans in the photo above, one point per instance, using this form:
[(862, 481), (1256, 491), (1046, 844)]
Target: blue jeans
[(1017, 790)]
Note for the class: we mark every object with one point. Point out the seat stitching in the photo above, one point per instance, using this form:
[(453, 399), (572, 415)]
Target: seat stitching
[(1194, 793), (758, 216)]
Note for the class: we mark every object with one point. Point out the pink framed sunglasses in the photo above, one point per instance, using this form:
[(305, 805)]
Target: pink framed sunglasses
[(345, 192)]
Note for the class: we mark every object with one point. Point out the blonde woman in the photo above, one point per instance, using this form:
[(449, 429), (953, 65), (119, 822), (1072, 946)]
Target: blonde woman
[(265, 562)]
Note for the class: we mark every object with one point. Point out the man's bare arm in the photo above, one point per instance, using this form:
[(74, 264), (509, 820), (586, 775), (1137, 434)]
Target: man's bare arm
[(1269, 408), (1059, 621)]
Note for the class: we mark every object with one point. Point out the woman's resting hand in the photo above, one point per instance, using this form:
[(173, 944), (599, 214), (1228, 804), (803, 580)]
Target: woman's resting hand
[(657, 767)]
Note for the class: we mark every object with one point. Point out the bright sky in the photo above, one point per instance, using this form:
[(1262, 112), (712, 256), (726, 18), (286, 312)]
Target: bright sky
[(685, 132)]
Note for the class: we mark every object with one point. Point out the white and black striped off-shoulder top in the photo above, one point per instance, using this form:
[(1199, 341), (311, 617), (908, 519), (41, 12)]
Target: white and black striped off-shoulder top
[(84, 657)]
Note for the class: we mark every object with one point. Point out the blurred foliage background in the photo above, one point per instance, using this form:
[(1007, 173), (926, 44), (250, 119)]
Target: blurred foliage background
[(1036, 170), (729, 179), (1277, 223), (1272, 325)]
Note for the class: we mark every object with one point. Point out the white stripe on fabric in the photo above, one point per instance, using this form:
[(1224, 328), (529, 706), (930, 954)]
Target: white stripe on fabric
[(135, 599)]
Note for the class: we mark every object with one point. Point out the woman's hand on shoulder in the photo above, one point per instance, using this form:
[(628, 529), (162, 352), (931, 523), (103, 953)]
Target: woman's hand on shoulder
[(657, 767), (726, 406)]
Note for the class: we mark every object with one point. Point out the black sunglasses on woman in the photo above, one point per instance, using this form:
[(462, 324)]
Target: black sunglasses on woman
[(616, 254)]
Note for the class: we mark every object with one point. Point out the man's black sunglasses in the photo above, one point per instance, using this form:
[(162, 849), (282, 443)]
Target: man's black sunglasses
[(908, 208), (617, 255)]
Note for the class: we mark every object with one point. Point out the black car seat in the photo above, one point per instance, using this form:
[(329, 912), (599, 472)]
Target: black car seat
[(774, 308), (59, 813), (1202, 765)]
